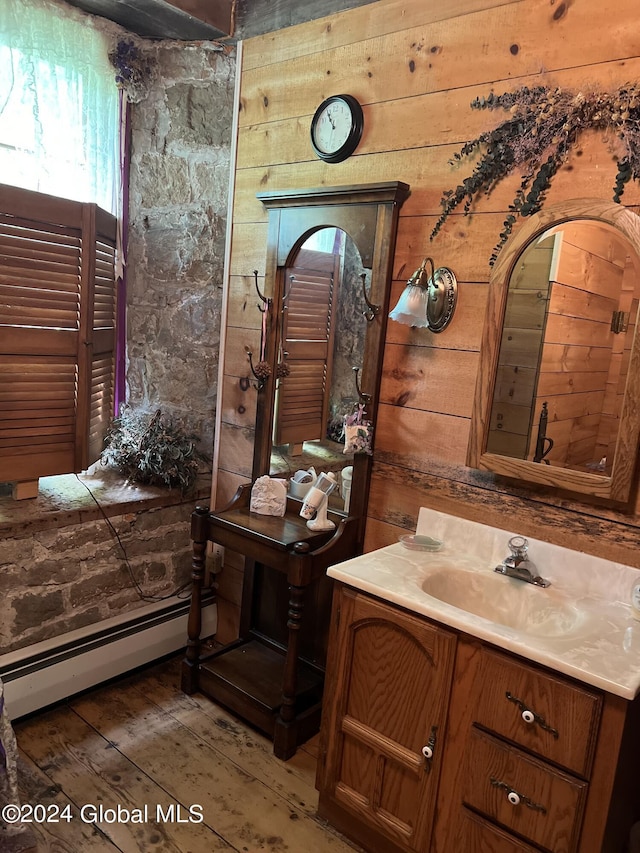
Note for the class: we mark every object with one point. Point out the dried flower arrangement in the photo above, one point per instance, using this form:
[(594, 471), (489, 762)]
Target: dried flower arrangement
[(543, 125), (152, 449), (134, 69)]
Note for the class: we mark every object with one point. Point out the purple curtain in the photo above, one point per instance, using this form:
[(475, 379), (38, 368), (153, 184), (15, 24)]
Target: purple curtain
[(119, 394)]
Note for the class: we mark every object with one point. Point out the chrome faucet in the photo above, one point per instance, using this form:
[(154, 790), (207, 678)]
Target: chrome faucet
[(518, 565)]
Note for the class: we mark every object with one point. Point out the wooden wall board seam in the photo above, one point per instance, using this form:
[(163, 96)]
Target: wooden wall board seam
[(509, 50), (377, 21)]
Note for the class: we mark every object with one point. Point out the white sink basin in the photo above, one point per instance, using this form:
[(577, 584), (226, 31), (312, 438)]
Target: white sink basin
[(581, 625), (505, 601)]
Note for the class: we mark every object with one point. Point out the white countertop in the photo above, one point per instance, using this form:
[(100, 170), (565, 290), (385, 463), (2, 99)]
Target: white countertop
[(582, 625)]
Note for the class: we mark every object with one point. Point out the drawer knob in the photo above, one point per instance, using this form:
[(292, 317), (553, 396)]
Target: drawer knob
[(530, 716), (516, 798)]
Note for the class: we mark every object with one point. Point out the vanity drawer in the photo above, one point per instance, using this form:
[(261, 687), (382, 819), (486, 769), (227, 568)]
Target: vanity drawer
[(522, 794), (543, 713), (474, 834)]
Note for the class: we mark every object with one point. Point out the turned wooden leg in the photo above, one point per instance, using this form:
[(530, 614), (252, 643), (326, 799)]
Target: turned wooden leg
[(194, 626), (285, 740)]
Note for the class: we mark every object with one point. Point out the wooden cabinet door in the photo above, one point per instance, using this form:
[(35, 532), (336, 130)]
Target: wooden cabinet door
[(386, 698)]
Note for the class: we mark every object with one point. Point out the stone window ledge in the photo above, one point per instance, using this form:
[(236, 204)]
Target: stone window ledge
[(64, 500)]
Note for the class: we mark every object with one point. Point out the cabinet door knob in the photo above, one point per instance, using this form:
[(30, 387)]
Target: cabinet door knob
[(430, 748)]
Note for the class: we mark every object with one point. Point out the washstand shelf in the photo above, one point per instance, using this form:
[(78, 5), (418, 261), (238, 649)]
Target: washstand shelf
[(270, 687)]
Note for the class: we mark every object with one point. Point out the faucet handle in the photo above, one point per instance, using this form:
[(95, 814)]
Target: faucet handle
[(519, 547)]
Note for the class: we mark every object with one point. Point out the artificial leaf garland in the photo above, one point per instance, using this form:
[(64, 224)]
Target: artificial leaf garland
[(543, 125)]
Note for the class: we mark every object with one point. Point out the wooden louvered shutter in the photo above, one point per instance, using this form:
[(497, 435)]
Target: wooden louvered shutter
[(57, 333), (302, 397)]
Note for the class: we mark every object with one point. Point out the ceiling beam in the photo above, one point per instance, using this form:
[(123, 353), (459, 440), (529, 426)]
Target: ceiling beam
[(185, 20)]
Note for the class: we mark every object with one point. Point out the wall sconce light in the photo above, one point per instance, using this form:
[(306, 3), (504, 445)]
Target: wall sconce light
[(428, 302)]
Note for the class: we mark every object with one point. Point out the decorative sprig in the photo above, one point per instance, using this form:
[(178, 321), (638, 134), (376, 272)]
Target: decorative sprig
[(544, 124), (152, 449)]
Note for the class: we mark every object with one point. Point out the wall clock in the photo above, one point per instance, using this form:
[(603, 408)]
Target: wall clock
[(336, 128)]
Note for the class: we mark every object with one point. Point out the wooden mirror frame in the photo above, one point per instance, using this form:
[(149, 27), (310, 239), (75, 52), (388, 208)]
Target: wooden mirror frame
[(616, 487), (368, 213)]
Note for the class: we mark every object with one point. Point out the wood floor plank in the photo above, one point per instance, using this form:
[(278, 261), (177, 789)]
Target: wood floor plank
[(95, 775), (250, 750), (244, 811), (64, 837), (312, 748)]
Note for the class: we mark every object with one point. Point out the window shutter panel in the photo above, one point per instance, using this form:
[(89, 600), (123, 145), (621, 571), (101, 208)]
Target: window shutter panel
[(102, 380), (56, 345), (307, 332)]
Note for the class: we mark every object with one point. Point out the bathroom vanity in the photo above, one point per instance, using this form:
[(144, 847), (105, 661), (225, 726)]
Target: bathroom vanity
[(505, 721)]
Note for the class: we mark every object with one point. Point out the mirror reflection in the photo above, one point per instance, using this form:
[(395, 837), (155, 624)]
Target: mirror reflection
[(322, 334), (564, 355)]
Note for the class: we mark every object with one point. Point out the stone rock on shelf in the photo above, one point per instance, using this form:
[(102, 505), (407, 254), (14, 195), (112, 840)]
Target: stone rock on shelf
[(269, 496)]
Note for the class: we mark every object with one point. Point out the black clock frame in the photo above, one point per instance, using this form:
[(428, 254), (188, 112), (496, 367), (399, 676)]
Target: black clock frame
[(355, 134)]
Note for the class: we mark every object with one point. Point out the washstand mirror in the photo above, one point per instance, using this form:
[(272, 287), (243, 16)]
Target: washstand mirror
[(324, 316), (558, 393), (329, 263)]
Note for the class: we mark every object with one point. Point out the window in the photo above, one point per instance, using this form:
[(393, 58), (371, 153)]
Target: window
[(58, 103), (59, 175)]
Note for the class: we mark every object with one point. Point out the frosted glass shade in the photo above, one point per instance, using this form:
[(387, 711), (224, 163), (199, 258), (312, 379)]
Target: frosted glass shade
[(412, 306)]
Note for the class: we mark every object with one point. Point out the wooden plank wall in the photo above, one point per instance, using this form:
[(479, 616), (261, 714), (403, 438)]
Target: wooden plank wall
[(416, 65), (585, 275), (255, 17), (511, 429)]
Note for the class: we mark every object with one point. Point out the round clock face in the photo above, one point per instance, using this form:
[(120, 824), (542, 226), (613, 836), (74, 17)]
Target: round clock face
[(336, 128)]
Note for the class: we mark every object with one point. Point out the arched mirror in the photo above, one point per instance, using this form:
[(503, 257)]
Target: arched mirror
[(322, 332), (557, 394), (329, 260)]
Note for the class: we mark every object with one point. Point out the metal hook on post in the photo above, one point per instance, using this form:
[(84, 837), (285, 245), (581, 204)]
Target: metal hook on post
[(371, 311), (264, 299), (262, 370), (287, 291), (365, 399)]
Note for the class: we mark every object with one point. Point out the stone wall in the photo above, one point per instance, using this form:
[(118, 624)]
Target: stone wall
[(63, 578), (350, 332), (180, 156), (58, 574)]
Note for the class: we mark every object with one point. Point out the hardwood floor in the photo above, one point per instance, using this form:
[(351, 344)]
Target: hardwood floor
[(140, 742)]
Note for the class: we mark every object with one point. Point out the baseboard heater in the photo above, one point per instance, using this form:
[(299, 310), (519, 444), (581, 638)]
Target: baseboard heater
[(47, 672)]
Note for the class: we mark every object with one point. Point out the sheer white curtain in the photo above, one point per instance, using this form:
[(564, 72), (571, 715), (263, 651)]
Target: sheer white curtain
[(59, 122)]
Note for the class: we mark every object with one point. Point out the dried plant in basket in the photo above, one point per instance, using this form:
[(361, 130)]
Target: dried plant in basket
[(153, 449)]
